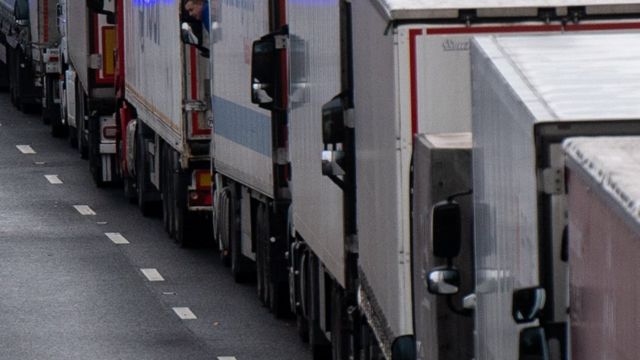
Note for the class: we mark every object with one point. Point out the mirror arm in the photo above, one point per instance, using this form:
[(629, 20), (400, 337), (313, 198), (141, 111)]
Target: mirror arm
[(457, 195), (461, 312), (336, 180)]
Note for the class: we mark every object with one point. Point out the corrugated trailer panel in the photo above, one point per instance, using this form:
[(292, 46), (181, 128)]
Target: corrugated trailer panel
[(528, 94), (315, 62), (422, 85), (382, 174), (153, 64), (442, 169), (77, 39), (504, 185), (242, 137), (604, 246)]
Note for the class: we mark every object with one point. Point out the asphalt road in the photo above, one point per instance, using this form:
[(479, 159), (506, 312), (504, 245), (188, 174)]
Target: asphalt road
[(68, 290)]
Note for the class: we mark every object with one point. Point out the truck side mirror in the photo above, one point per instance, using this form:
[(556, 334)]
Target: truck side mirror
[(533, 344), (443, 280), (188, 36), (527, 304), (106, 7), (263, 72), (446, 229)]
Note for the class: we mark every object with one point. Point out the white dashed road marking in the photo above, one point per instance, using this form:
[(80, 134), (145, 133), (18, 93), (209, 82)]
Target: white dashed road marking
[(25, 149), (184, 313), (117, 238), (54, 179), (227, 358), (84, 210), (152, 274)]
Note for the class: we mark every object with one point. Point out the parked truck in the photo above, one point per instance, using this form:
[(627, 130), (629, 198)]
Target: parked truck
[(348, 263), (29, 54), (419, 52), (163, 117), (88, 60), (604, 228), (529, 94), (249, 144)]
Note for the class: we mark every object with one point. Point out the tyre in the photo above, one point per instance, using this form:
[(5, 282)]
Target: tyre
[(262, 237), (339, 335), (222, 218), (184, 222), (73, 137), (241, 267), (144, 204), (95, 159)]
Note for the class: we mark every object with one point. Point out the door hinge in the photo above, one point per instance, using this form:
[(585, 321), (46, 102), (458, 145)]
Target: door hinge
[(552, 180)]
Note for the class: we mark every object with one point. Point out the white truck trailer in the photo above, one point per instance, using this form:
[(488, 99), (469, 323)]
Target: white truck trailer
[(163, 119), (29, 55), (530, 93), (88, 92), (603, 189), (295, 67), (419, 53)]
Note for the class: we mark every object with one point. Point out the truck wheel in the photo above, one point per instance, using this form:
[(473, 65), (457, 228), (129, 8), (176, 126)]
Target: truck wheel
[(279, 299), (222, 228), (320, 346), (129, 188), (339, 335), (141, 175), (95, 161), (73, 137), (184, 222), (83, 147), (167, 202), (262, 237), (241, 268), (302, 323), (58, 129)]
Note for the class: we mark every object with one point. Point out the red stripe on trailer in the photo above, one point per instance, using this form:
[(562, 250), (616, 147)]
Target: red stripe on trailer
[(604, 26), (414, 73), (45, 20), (492, 29), (283, 12)]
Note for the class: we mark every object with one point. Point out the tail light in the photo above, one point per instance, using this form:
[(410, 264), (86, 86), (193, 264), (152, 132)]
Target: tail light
[(109, 132), (202, 179), (200, 191)]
